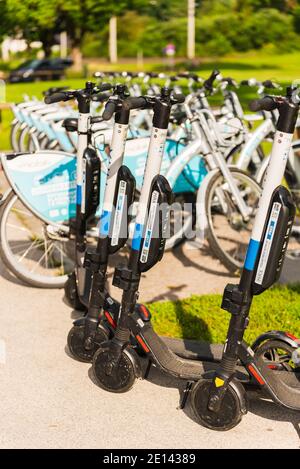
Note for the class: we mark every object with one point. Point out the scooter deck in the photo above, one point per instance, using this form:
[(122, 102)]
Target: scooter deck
[(211, 355), (195, 350)]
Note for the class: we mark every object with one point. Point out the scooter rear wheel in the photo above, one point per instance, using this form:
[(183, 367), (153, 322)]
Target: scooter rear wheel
[(119, 378), (278, 354), (77, 343), (229, 415)]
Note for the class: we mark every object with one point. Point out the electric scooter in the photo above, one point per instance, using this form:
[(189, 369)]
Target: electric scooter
[(77, 287), (117, 364), (219, 400), (90, 331)]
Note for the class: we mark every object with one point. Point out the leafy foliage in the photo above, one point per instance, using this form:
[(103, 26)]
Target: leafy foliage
[(222, 26)]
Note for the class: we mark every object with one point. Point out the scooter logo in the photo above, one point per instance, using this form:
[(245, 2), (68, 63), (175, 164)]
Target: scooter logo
[(2, 352), (296, 356)]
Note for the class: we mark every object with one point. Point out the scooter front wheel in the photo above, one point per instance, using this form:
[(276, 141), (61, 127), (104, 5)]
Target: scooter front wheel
[(84, 349), (230, 413), (118, 378)]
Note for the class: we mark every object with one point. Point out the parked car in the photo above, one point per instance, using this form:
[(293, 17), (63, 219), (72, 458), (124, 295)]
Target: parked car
[(37, 70)]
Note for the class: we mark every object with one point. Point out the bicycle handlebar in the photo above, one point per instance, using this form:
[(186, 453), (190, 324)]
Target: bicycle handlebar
[(104, 87), (54, 89), (178, 98), (56, 98), (208, 84), (264, 104)]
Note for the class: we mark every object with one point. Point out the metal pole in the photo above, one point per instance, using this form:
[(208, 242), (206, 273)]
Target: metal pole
[(113, 53), (63, 45), (191, 30)]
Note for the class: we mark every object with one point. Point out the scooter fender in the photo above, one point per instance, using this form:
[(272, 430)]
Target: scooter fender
[(282, 336)]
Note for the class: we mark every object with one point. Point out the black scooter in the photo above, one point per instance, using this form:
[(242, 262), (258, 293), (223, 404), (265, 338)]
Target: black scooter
[(88, 174), (90, 331)]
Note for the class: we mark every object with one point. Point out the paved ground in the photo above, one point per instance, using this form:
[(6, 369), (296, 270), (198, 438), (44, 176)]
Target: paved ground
[(49, 400)]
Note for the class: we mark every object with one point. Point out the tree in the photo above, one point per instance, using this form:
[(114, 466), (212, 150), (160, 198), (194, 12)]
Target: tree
[(33, 20)]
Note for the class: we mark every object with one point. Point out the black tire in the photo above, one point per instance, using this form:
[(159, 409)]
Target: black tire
[(77, 346), (271, 351), (229, 415), (71, 294), (227, 260), (122, 377)]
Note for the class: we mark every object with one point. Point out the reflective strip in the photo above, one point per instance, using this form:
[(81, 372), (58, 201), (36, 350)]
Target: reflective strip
[(78, 195), (251, 254), (137, 237), (104, 223)]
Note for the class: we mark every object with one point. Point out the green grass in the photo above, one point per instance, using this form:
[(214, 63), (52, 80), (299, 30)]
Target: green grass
[(201, 318), (261, 65)]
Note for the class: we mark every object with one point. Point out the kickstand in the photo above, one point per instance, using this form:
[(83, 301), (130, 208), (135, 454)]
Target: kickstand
[(185, 395)]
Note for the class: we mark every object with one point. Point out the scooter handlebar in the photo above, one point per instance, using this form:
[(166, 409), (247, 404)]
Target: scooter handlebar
[(109, 110), (264, 104), (138, 102)]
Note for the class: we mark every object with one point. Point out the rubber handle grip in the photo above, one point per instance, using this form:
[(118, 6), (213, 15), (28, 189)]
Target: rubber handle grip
[(109, 110), (54, 89), (265, 104), (269, 84), (56, 98), (100, 98), (210, 81), (105, 87), (178, 98), (134, 103)]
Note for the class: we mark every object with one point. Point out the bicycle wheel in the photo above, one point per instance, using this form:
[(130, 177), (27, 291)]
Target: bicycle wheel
[(228, 233), (29, 250)]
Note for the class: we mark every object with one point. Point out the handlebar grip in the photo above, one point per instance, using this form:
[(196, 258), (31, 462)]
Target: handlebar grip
[(54, 89), (134, 103), (101, 97), (105, 87), (210, 80), (270, 84), (109, 110), (56, 98), (230, 81), (265, 104), (178, 98)]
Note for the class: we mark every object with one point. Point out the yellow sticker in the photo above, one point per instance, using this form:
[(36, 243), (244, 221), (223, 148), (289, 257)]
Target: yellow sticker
[(219, 382)]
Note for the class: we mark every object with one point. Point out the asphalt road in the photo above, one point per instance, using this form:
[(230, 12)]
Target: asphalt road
[(48, 400)]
